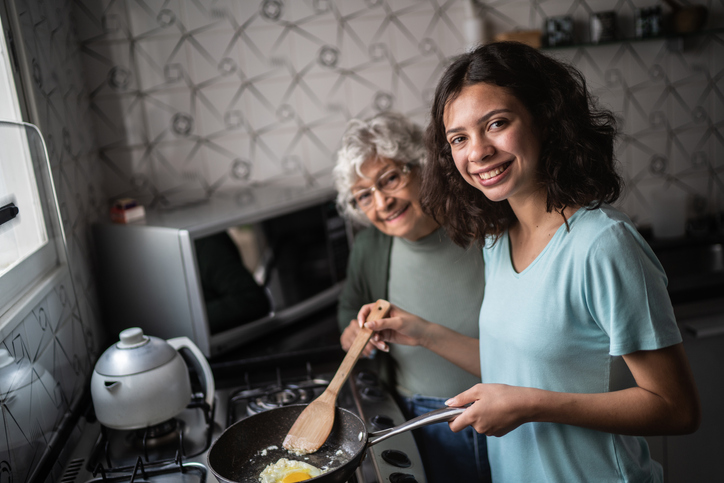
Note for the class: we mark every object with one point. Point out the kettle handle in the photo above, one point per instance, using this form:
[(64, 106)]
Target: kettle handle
[(184, 342)]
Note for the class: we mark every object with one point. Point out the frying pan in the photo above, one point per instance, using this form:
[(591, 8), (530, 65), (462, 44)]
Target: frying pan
[(245, 448)]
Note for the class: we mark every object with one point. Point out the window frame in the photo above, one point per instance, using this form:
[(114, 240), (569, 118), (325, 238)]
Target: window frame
[(27, 283), (30, 271)]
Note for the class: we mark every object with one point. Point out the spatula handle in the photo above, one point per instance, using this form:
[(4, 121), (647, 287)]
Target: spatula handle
[(379, 311)]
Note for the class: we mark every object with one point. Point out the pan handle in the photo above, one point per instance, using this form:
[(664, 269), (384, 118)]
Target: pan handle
[(436, 416)]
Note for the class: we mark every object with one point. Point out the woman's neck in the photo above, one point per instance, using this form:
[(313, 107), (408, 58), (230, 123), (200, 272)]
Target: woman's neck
[(532, 215), (534, 228)]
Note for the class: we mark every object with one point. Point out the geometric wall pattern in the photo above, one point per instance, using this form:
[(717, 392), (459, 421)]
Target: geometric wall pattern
[(193, 98), (45, 375), (171, 100), (55, 343), (670, 105)]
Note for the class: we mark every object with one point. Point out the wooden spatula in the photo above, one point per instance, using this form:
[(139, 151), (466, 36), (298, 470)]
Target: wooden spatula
[(312, 427)]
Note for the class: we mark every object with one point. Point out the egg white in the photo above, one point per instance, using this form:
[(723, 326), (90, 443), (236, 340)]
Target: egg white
[(277, 472)]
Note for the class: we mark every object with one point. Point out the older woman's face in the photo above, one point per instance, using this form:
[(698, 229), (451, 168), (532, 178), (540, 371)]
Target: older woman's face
[(398, 213)]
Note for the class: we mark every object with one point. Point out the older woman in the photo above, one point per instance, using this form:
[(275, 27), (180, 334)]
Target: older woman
[(405, 257)]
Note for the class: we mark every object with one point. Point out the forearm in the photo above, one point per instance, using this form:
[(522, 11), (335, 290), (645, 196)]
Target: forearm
[(633, 411), (664, 401), (457, 348)]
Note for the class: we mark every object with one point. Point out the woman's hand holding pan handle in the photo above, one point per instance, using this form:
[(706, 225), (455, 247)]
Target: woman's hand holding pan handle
[(495, 409)]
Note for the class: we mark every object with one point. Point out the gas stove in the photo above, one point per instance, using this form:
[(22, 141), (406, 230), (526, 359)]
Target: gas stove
[(170, 451), (177, 449)]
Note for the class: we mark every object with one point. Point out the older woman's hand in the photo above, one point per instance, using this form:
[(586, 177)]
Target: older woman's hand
[(349, 335), (399, 327)]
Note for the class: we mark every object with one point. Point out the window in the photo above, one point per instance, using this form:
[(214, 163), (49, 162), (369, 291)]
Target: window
[(24, 234), (27, 252)]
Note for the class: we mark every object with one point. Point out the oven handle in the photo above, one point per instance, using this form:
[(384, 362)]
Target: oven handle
[(436, 416)]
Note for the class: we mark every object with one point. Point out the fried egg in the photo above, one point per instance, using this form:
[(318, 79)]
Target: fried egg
[(288, 471)]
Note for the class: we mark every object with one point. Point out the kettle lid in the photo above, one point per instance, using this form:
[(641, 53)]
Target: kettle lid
[(133, 354)]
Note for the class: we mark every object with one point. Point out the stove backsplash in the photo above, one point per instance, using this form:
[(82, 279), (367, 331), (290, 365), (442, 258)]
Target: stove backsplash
[(51, 362), (667, 99)]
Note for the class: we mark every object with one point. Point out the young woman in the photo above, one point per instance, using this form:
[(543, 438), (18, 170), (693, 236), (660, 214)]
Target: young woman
[(522, 161), (405, 257)]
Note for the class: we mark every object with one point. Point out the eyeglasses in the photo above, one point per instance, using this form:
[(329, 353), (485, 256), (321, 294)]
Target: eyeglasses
[(387, 183)]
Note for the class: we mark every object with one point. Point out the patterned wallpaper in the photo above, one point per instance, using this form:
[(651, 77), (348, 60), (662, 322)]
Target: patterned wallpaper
[(54, 343), (192, 98), (171, 100)]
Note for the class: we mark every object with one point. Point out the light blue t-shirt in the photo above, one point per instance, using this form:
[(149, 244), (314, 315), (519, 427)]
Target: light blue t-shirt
[(595, 292)]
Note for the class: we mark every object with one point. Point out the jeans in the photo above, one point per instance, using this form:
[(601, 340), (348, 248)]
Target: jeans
[(448, 456)]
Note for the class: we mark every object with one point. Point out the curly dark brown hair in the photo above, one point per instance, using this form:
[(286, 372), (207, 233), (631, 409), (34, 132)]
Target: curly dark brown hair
[(577, 162)]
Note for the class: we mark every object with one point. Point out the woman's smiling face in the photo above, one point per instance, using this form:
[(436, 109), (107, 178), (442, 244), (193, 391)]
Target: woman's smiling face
[(494, 142), (398, 213)]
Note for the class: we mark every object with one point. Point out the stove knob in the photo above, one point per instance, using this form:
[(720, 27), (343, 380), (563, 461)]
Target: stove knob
[(381, 421), (396, 458), (372, 393), (366, 378), (402, 478)]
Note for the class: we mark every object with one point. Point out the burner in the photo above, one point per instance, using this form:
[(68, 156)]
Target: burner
[(158, 435), (275, 396), (170, 470), (185, 436)]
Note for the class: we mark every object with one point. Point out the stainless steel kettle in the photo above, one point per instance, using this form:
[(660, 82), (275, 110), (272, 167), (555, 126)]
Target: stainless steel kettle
[(142, 380)]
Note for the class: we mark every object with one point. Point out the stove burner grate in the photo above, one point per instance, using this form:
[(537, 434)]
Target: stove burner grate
[(249, 401), (276, 397), (185, 436), (165, 435), (174, 469), (160, 430)]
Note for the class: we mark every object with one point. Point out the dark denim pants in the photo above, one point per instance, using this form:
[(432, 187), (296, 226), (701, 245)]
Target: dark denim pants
[(448, 457)]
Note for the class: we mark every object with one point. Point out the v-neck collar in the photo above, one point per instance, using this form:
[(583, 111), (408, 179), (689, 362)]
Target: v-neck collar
[(560, 233)]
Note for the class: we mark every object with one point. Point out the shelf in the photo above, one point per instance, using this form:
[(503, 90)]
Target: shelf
[(675, 42)]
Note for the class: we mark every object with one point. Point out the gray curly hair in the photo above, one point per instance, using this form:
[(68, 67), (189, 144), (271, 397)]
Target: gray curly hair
[(388, 134)]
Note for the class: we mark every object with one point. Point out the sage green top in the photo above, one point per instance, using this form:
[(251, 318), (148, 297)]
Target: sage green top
[(433, 278), (442, 283)]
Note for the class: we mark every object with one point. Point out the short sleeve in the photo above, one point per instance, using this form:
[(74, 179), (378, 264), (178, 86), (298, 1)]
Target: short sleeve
[(625, 287)]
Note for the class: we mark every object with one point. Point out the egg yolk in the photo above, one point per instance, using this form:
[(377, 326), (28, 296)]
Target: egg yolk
[(296, 476), (288, 471)]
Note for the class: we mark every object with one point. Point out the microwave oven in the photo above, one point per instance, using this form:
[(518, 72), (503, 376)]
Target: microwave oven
[(159, 273)]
